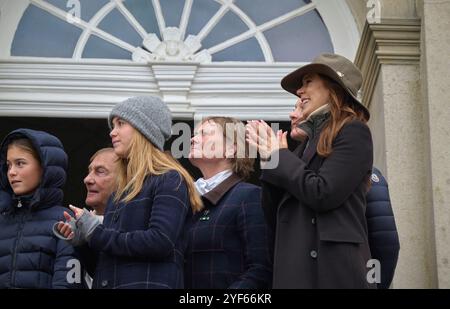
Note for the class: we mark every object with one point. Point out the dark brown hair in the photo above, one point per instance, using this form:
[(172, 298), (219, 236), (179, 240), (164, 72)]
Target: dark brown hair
[(342, 110), (26, 145)]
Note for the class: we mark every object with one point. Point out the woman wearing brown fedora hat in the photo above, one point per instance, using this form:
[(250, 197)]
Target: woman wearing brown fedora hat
[(314, 197)]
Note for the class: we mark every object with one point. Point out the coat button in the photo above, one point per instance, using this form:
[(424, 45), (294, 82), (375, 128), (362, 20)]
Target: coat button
[(104, 283), (313, 254), (313, 220)]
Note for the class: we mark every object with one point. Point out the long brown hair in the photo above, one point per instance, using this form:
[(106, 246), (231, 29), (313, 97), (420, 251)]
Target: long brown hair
[(342, 110), (241, 166), (145, 159)]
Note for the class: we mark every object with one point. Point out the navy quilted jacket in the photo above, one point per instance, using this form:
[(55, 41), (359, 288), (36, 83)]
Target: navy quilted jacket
[(30, 255), (383, 236)]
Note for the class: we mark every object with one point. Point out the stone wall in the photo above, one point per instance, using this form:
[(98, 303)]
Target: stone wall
[(406, 64), (435, 70)]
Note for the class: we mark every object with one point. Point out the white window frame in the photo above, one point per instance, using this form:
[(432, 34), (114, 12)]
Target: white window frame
[(88, 88)]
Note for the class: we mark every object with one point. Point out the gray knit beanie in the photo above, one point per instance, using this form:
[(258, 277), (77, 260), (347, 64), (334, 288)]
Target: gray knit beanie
[(148, 114)]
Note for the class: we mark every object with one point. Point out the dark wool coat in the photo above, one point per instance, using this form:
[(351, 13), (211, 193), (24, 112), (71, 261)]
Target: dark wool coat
[(317, 208), (228, 244), (141, 243), (30, 255)]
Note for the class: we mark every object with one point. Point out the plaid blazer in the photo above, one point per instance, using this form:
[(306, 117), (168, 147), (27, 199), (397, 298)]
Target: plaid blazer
[(228, 242), (141, 243)]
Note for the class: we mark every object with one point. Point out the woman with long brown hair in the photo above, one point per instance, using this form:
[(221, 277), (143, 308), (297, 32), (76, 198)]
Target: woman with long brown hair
[(314, 197), (141, 241)]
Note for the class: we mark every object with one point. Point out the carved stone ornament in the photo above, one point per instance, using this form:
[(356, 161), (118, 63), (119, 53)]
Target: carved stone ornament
[(171, 49)]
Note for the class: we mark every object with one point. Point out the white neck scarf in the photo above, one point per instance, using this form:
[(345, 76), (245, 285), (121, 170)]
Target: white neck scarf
[(204, 186)]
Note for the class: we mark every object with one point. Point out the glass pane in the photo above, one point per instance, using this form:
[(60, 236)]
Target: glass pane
[(300, 39), (247, 50), (40, 34), (144, 13), (172, 11), (88, 7), (229, 26), (201, 13), (61, 4), (43, 35), (115, 23), (99, 48), (261, 11)]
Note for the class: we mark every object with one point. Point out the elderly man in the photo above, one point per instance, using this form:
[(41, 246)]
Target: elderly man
[(100, 181)]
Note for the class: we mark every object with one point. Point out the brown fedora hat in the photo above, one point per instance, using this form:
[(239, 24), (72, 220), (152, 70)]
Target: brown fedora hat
[(336, 67)]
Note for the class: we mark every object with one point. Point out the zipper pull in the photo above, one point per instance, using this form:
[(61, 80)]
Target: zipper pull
[(19, 204)]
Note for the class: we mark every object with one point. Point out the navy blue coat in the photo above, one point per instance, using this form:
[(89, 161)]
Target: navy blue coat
[(383, 237), (30, 255), (141, 243), (228, 243)]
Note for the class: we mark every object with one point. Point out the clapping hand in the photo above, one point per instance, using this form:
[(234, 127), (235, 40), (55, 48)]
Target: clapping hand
[(260, 135), (64, 228)]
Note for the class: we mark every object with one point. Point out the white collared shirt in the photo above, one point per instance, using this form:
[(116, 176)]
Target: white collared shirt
[(204, 186)]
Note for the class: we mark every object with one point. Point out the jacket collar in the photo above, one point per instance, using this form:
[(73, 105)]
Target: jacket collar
[(218, 192), (308, 149), (301, 148)]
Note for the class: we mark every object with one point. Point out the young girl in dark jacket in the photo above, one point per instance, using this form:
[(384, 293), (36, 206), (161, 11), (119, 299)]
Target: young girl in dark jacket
[(32, 172)]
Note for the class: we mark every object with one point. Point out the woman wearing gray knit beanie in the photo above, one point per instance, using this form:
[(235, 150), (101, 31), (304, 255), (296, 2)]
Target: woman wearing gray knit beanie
[(141, 242)]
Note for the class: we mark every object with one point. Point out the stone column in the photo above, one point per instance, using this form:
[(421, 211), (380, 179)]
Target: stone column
[(389, 57), (435, 71)]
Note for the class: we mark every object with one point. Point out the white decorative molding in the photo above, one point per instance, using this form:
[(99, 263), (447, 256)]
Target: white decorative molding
[(174, 68), (63, 88), (341, 25), (393, 41), (171, 49), (174, 83)]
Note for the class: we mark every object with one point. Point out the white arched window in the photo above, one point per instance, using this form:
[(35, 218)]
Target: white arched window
[(201, 56)]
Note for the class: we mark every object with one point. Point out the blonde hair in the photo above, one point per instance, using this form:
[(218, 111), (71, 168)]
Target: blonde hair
[(243, 167), (145, 159)]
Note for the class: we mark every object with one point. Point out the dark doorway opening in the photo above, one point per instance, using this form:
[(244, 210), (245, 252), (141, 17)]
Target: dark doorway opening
[(82, 138)]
